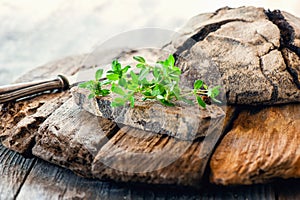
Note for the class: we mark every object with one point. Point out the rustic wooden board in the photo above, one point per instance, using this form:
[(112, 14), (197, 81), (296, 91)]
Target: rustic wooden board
[(14, 170), (47, 181), (20, 121), (133, 155), (71, 138), (183, 121), (263, 144)]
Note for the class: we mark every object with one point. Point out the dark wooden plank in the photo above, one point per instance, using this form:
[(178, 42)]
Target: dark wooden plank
[(254, 192), (14, 169), (47, 181), (288, 189)]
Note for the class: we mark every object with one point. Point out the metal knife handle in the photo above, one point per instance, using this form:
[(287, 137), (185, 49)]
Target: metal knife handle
[(20, 90)]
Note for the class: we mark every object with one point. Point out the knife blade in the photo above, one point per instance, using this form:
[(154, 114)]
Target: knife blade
[(60, 83)]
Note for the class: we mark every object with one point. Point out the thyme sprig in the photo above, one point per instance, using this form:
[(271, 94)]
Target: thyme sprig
[(158, 82)]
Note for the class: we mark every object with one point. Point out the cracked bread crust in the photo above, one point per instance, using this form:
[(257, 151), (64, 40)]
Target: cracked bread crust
[(254, 58)]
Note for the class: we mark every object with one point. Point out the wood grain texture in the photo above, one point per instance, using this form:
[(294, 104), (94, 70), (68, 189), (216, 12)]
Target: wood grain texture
[(133, 155), (182, 121), (14, 170), (20, 120), (21, 123), (263, 144), (43, 184), (47, 181), (72, 137)]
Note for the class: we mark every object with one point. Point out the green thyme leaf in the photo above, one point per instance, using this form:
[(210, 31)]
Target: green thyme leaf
[(91, 96), (131, 99), (159, 82), (106, 82), (213, 92), (201, 102), (160, 97), (134, 77), (125, 69), (144, 72), (171, 60), (112, 77), (122, 82), (167, 103), (156, 72), (139, 59), (140, 65), (190, 102), (85, 84), (198, 84), (116, 66), (118, 101), (99, 74), (118, 90), (105, 92)]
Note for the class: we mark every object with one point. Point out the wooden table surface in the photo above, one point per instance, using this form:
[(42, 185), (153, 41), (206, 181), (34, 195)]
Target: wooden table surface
[(32, 178)]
